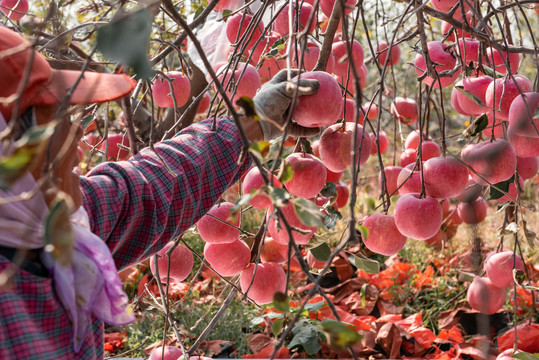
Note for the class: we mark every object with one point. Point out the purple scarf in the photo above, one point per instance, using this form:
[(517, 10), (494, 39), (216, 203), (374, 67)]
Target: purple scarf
[(90, 286)]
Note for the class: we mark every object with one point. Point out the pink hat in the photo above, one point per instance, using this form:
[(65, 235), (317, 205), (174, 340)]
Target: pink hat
[(48, 86)]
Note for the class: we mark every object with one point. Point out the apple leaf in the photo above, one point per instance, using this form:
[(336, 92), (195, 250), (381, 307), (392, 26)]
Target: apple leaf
[(470, 95), (87, 121), (285, 172), (243, 200), (277, 46), (15, 165), (308, 213), (321, 252), (125, 39), (260, 319), (476, 126), (339, 335), (331, 217), (278, 196), (314, 307), (525, 356), (58, 233), (512, 228), (249, 108), (260, 149), (368, 265), (530, 235), (277, 326), (364, 232), (306, 335), (329, 189), (503, 186), (281, 302)]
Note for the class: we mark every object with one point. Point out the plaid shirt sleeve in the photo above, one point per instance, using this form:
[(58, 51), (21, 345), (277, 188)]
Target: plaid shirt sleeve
[(137, 206)]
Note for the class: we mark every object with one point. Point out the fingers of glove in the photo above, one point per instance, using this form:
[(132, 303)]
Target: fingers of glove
[(308, 86), (283, 75), (301, 131)]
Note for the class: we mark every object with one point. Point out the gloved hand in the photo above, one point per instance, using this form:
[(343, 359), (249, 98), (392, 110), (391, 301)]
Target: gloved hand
[(273, 102)]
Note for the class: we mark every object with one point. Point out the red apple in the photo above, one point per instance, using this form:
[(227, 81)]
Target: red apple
[(382, 50), (444, 177), (408, 156), (14, 9), (523, 116), (509, 88), (391, 174), (438, 240), (238, 24), (181, 87), (339, 49), (384, 237), (409, 180), (253, 181), (327, 6), (309, 175), (204, 104), (342, 195), (310, 58), (512, 192), (322, 108), (281, 22), (499, 59), (405, 109), (349, 112), (527, 166), (279, 232), (477, 86), (170, 353), (371, 110), (446, 5), (471, 192), (181, 263), (492, 161), (272, 251), (469, 50), (228, 259), (337, 143), (524, 146), (246, 81), (268, 279), (499, 268), (473, 212), (443, 59), (383, 143), (115, 152), (412, 140), (216, 231), (418, 218), (484, 297)]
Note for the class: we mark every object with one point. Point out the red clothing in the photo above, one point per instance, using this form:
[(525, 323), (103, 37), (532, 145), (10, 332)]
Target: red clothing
[(136, 207)]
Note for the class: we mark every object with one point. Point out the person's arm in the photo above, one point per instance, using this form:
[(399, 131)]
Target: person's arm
[(137, 206)]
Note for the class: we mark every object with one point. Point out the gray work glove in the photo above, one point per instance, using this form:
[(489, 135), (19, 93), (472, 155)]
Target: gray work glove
[(273, 102)]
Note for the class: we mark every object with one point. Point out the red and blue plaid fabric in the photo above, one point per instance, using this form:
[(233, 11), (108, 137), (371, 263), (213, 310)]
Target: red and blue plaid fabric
[(136, 207)]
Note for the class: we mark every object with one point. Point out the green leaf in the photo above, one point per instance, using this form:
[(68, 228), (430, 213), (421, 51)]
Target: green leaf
[(470, 95), (226, 13), (260, 149), (125, 39), (87, 121), (281, 301), (199, 11), (15, 165), (504, 185), (278, 196), (368, 265), (339, 335), (260, 319), (308, 213), (243, 200), (331, 217), (525, 356), (285, 172), (364, 232), (249, 108), (277, 326), (314, 307), (363, 293), (321, 252), (58, 233), (329, 189), (306, 335), (476, 126)]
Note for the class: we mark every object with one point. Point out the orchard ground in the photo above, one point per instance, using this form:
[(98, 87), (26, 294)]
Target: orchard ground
[(422, 291)]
